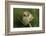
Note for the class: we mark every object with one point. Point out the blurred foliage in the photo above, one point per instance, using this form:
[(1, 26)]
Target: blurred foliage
[(17, 12)]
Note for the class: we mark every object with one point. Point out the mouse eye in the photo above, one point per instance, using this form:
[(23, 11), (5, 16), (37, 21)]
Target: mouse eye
[(24, 14)]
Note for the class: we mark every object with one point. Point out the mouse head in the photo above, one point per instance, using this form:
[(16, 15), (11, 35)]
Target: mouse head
[(26, 13)]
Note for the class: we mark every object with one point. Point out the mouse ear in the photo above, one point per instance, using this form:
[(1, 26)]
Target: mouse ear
[(22, 14)]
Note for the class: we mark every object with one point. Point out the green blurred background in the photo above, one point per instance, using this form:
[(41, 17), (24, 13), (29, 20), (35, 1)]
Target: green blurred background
[(17, 12)]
